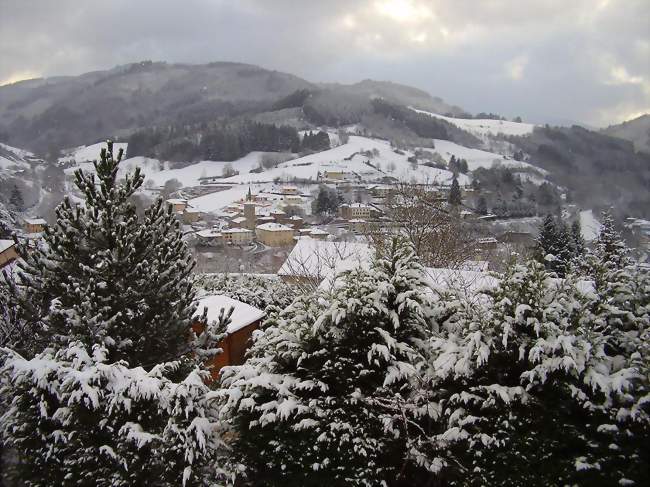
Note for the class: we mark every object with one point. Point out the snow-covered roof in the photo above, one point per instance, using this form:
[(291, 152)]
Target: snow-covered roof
[(5, 244), (318, 231), (209, 233), (35, 221), (237, 230), (176, 201), (320, 258), (240, 219), (274, 227), (243, 314), (357, 220)]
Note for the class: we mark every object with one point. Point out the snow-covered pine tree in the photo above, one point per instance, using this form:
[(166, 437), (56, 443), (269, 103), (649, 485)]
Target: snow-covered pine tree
[(554, 246), (116, 398), (610, 248), (455, 197), (104, 276), (16, 199), (331, 392), (577, 240), (529, 390)]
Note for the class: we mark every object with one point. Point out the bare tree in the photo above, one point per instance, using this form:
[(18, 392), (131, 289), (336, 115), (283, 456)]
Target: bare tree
[(420, 213)]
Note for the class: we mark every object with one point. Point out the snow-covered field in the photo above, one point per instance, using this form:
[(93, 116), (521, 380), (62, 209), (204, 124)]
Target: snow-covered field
[(387, 164), (484, 127), (475, 157), (12, 158), (589, 226)]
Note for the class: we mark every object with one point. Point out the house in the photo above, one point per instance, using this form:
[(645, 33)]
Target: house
[(290, 190), (350, 211), (274, 234), (525, 239), (336, 174), (381, 190), (243, 321), (177, 204), (34, 225), (237, 236), (8, 252)]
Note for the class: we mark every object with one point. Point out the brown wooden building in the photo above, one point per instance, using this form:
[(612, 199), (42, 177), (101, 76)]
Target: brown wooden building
[(7, 252), (244, 320)]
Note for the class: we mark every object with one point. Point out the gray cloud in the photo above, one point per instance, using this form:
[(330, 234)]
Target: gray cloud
[(545, 60)]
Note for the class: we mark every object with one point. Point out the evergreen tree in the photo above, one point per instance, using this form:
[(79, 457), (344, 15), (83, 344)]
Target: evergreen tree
[(610, 247), (481, 206), (455, 197), (104, 276), (16, 199), (110, 389), (554, 246), (329, 395), (578, 241)]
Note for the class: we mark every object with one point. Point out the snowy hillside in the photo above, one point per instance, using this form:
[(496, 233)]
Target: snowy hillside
[(483, 128), (14, 160), (348, 158), (477, 158), (589, 226), (89, 153)]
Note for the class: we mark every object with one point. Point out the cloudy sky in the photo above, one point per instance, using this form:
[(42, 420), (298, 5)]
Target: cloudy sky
[(546, 60)]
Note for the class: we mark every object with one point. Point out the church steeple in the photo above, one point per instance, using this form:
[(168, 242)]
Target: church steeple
[(249, 195)]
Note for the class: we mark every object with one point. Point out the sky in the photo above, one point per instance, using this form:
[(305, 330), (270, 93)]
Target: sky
[(548, 61)]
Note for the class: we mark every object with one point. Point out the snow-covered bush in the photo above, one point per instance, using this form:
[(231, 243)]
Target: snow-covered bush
[(331, 394), (83, 421), (533, 391)]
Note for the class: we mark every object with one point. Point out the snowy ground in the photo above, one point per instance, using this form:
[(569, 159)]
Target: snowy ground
[(12, 158), (484, 127), (590, 227), (89, 153)]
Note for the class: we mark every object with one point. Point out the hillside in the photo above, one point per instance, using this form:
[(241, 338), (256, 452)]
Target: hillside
[(636, 131), (46, 115)]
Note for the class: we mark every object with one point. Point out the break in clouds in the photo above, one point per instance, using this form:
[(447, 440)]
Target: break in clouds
[(547, 61)]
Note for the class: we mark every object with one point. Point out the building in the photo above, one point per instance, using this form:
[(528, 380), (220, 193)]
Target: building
[(335, 174), (191, 216), (210, 236), (237, 236), (177, 204), (8, 252), (351, 211), (275, 234), (250, 214), (381, 190), (488, 243), (34, 225), (290, 190), (243, 321)]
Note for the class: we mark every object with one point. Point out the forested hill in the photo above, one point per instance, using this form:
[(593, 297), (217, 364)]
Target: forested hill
[(54, 113)]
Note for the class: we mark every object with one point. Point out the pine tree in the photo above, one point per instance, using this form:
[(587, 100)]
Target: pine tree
[(554, 246), (578, 241), (104, 276), (481, 206), (610, 247), (16, 199), (455, 197), (110, 391), (330, 395)]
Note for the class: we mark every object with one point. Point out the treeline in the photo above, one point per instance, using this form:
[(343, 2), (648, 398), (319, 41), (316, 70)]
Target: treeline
[(423, 125), (218, 141)]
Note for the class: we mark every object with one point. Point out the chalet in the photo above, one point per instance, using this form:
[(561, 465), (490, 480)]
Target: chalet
[(274, 234), (243, 321), (210, 236), (34, 225), (7, 252)]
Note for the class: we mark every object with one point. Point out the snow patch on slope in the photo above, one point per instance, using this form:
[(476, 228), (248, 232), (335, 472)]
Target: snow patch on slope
[(484, 127)]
